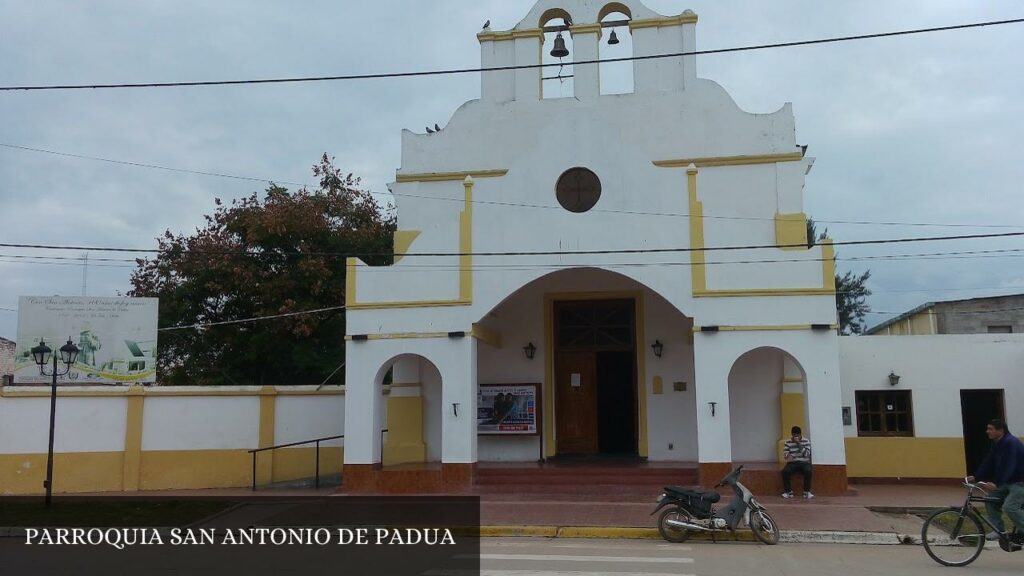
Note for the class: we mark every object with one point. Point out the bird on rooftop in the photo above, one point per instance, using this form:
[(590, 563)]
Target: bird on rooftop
[(429, 131), (487, 25), (437, 128)]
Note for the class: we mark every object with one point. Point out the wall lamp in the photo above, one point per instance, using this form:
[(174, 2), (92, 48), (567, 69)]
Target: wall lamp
[(894, 378), (530, 350), (658, 348)]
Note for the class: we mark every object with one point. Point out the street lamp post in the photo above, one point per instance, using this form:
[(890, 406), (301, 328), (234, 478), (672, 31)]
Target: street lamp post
[(41, 354)]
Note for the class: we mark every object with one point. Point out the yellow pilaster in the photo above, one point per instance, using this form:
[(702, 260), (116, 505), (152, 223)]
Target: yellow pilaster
[(405, 431), (697, 269), (791, 413), (466, 243), (265, 460), (132, 438)]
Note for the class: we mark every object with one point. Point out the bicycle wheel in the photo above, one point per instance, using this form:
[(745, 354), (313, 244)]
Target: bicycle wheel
[(952, 539), (672, 533), (764, 527)]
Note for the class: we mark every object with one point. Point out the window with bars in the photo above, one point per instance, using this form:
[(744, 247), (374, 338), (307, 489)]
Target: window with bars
[(885, 413)]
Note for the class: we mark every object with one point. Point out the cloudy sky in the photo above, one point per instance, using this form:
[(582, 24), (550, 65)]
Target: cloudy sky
[(920, 129)]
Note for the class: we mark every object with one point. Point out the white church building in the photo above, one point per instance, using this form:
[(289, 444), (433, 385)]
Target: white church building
[(575, 244)]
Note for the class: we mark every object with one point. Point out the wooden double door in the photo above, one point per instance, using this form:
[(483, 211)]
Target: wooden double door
[(595, 377)]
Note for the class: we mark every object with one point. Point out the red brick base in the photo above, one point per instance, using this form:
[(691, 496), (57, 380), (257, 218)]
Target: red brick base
[(408, 479), (829, 480)]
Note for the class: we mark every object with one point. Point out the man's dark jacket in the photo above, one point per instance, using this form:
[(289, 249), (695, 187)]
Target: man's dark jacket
[(1004, 463)]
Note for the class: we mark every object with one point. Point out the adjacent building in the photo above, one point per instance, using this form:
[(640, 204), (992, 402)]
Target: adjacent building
[(989, 315)]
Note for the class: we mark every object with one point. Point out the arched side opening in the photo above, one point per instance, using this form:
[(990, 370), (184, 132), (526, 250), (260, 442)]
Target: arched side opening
[(766, 399), (556, 81), (411, 422), (616, 42)]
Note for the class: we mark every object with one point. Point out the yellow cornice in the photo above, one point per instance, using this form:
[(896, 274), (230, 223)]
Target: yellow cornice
[(666, 21), (766, 328), (754, 292), (511, 35), (742, 160), (411, 304), (585, 29), (449, 176), (403, 336), (487, 335)]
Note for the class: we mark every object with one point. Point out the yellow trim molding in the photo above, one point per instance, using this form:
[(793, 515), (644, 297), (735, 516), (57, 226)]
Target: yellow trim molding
[(791, 231), (170, 391), (403, 240), (488, 335), (465, 258), (449, 176), (660, 22), (766, 328), (550, 445), (698, 266), (716, 161)]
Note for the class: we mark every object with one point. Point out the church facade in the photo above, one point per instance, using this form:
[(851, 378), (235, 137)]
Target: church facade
[(625, 275)]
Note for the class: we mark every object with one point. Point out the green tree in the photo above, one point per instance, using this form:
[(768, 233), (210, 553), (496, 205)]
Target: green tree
[(851, 290), (279, 254)]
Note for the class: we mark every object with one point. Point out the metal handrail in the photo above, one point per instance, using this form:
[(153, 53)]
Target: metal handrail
[(317, 441)]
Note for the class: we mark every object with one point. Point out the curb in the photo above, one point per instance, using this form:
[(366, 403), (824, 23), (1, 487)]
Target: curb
[(786, 536)]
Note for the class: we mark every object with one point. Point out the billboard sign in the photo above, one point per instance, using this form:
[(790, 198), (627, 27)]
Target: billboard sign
[(116, 338), (508, 409)]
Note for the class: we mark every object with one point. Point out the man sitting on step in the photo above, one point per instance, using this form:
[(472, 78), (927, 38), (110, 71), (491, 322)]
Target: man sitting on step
[(797, 452)]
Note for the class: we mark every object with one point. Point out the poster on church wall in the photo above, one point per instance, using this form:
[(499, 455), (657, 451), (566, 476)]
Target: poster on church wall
[(508, 409), (116, 338)]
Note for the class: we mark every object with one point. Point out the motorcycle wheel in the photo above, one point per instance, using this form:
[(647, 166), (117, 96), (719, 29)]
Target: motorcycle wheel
[(671, 533), (764, 527)]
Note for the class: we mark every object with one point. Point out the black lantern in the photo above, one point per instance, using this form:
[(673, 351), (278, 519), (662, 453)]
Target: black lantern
[(559, 51), (894, 378), (529, 350), (69, 353), (658, 348), (41, 354)]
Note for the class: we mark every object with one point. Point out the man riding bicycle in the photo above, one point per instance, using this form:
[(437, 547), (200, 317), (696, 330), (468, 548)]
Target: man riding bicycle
[(1002, 475)]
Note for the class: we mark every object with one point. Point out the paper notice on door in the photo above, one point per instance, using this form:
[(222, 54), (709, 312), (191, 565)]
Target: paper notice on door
[(574, 380)]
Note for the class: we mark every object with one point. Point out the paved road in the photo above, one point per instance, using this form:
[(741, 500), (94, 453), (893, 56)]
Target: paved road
[(566, 557)]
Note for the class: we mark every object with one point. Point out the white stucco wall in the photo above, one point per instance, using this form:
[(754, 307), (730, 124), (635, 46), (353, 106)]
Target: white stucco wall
[(301, 418), (82, 425), (935, 369), (200, 423)]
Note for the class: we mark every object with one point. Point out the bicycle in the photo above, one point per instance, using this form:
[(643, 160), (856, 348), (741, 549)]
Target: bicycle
[(955, 536)]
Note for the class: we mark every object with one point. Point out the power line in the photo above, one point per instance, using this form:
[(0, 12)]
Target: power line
[(141, 165), (253, 319), (527, 253), (454, 71)]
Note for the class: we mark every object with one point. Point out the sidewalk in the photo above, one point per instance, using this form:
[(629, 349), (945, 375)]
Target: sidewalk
[(878, 513)]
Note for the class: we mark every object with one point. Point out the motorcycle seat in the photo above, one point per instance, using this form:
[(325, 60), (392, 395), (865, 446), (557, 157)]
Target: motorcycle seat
[(705, 495)]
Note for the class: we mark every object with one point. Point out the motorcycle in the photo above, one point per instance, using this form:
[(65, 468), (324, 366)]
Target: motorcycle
[(684, 511)]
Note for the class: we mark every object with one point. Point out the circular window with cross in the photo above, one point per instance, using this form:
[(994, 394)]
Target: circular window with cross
[(578, 189)]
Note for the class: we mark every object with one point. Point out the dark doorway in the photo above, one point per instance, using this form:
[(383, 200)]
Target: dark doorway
[(977, 407), (595, 377), (616, 403)]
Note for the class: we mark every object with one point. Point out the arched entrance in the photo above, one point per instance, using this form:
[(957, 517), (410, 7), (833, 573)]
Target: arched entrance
[(606, 390)]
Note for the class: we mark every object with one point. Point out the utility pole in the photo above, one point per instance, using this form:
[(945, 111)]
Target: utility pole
[(85, 274)]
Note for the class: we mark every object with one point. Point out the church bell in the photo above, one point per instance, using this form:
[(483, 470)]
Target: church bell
[(559, 51), (613, 39)]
